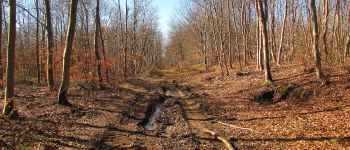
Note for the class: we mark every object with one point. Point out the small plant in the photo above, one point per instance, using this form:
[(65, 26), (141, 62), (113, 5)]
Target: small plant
[(335, 143), (25, 146), (70, 134), (33, 104), (86, 85), (198, 67), (155, 73)]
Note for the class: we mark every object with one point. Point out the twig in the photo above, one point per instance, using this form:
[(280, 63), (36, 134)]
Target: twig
[(226, 142), (233, 126)]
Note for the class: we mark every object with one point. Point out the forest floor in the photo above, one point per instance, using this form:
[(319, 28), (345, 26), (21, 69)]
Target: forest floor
[(175, 109)]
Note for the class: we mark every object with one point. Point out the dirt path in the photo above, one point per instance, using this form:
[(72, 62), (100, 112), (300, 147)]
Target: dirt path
[(175, 111), (171, 117)]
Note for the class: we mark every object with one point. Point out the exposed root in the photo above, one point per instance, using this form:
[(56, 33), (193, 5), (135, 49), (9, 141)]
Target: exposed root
[(233, 126), (226, 142)]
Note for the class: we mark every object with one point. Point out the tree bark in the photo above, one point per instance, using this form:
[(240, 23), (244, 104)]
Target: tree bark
[(229, 34), (325, 26), (315, 34), (96, 46), (1, 66), (9, 105), (282, 35), (62, 98), (263, 28), (50, 46), (126, 39), (273, 38), (244, 31), (37, 41)]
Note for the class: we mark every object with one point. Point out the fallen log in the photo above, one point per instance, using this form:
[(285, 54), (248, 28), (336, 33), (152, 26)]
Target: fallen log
[(214, 134)]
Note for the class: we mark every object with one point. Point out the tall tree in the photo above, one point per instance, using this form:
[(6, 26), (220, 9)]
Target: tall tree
[(315, 34), (37, 41), (282, 34), (229, 34), (96, 42), (347, 46), (9, 105), (244, 31), (273, 38), (126, 39), (325, 25), (1, 68), (62, 97), (50, 45), (262, 5)]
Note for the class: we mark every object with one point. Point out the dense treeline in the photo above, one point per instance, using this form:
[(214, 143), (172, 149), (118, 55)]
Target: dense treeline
[(94, 41), (142, 39), (230, 33)]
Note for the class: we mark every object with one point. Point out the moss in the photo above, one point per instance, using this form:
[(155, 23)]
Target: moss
[(154, 73), (86, 85), (25, 146), (33, 104), (198, 67)]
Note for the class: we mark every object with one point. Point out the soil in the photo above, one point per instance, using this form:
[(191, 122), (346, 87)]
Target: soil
[(173, 111)]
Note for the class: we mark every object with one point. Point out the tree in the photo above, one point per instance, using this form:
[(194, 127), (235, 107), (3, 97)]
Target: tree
[(62, 98), (325, 25), (347, 45), (315, 34), (1, 70), (126, 39), (261, 4), (50, 45), (282, 34), (37, 41), (96, 46), (9, 105)]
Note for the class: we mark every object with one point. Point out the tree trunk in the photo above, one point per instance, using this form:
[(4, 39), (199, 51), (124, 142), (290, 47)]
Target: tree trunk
[(50, 46), (9, 105), (1, 67), (126, 39), (62, 98), (37, 41), (244, 31), (103, 51), (282, 35), (273, 38), (229, 34), (263, 28), (347, 47), (315, 34), (96, 46), (325, 26)]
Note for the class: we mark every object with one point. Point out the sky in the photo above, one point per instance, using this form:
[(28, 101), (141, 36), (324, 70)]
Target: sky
[(166, 10)]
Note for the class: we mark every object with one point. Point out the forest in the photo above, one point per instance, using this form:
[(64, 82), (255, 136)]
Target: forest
[(229, 74)]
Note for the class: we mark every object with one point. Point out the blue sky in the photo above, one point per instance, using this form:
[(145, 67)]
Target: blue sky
[(166, 10)]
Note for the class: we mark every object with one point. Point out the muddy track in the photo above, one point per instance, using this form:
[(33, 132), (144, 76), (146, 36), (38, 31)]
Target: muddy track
[(161, 119)]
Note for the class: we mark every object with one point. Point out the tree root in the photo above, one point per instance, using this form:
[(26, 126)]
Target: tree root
[(233, 126), (226, 142)]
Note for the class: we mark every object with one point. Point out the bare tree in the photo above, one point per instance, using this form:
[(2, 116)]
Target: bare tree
[(96, 42), (262, 5), (37, 41), (315, 34), (50, 45), (282, 34), (325, 25), (62, 98), (9, 105), (1, 26), (126, 39)]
